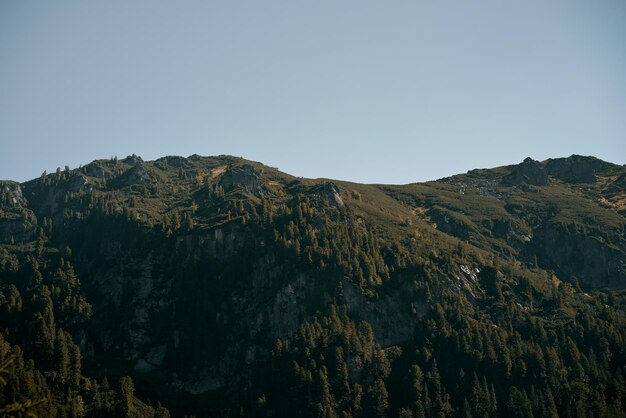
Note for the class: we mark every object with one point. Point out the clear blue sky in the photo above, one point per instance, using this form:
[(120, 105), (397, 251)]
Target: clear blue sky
[(369, 91)]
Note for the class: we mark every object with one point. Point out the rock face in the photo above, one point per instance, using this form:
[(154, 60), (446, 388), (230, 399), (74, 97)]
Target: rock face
[(246, 177), (137, 175), (329, 193), (17, 223), (133, 160), (11, 195), (587, 257), (18, 229), (575, 169), (172, 161), (529, 172), (79, 183), (96, 169)]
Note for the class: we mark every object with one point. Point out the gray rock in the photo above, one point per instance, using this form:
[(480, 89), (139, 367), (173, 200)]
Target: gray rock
[(529, 172), (575, 169), (244, 177), (18, 226), (17, 223), (137, 175), (11, 195), (133, 160), (329, 192), (172, 161), (96, 170), (78, 183), (588, 257)]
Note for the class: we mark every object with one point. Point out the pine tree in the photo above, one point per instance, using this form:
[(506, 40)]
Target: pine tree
[(323, 393), (62, 356), (378, 398), (518, 404), (75, 364), (126, 405)]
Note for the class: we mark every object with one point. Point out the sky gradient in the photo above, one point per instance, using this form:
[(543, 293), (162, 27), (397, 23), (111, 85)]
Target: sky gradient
[(368, 91)]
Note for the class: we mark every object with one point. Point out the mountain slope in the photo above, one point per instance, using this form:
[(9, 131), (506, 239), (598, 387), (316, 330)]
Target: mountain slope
[(221, 284)]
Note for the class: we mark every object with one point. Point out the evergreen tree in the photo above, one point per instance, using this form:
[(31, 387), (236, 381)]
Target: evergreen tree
[(126, 405)]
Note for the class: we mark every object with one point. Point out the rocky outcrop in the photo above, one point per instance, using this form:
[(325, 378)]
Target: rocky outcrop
[(133, 160), (529, 172), (575, 169), (11, 195), (244, 177), (98, 169), (571, 252), (79, 183), (137, 175), (329, 193), (172, 161), (18, 227), (17, 223)]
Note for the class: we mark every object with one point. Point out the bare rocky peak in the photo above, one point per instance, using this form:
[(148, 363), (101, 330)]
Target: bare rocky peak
[(529, 172), (133, 160), (576, 168)]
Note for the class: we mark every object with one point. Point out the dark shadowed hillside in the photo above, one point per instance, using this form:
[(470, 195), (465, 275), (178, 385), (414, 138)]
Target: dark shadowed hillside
[(216, 286)]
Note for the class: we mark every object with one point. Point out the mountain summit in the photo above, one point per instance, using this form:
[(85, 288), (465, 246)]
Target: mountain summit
[(220, 287)]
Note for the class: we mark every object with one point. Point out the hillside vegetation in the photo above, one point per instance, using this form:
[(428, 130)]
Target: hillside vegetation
[(216, 286)]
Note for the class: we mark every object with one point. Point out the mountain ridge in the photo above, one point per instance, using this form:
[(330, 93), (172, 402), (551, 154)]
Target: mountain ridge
[(233, 157), (573, 177), (201, 276)]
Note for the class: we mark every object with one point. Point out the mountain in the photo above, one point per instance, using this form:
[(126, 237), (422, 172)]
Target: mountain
[(217, 286)]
